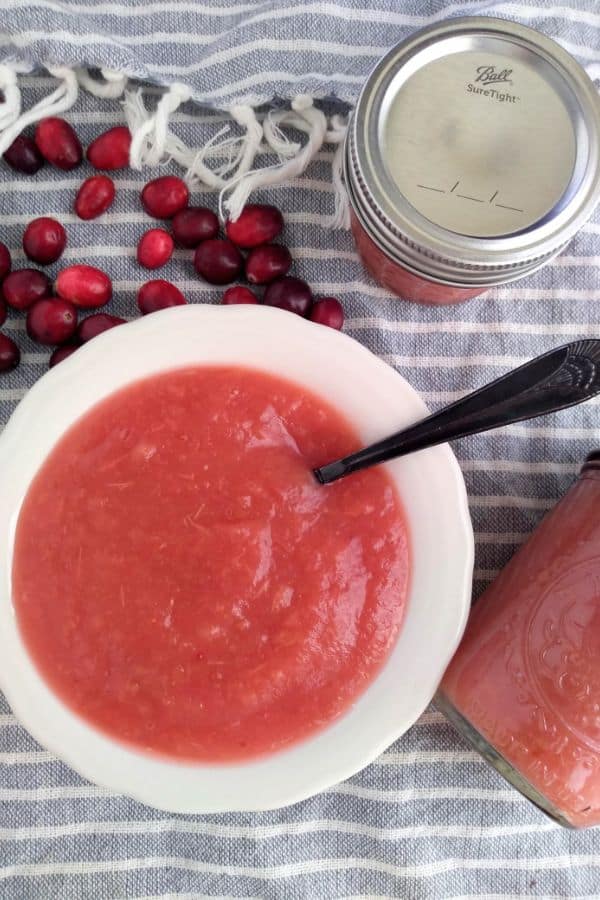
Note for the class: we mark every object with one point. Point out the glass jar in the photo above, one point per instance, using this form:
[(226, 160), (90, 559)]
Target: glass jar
[(524, 685), (471, 159)]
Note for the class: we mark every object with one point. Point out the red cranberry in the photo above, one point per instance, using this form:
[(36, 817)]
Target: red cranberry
[(24, 286), (57, 142), (289, 293), (94, 325), (51, 321), (158, 294), (5, 261), (85, 286), (328, 311), (9, 354), (267, 262), (44, 240), (193, 225), (155, 248), (61, 353), (110, 150), (3, 312), (24, 156), (165, 196), (239, 294), (218, 261), (94, 196), (257, 224)]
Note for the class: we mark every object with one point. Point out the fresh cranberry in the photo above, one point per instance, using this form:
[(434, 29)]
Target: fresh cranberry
[(193, 225), (289, 293), (218, 261), (94, 196), (51, 321), (44, 240), (24, 156), (61, 353), (9, 354), (5, 261), (239, 294), (328, 311), (257, 224), (165, 196), (84, 286), (155, 248), (3, 312), (110, 150), (158, 294), (94, 325), (57, 142), (267, 262), (24, 286)]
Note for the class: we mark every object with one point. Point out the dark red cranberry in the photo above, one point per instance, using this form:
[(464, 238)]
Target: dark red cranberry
[(110, 150), (3, 312), (24, 286), (94, 325), (267, 262), (257, 224), (24, 156), (193, 225), (94, 196), (155, 248), (44, 240), (5, 261), (57, 142), (328, 311), (289, 293), (218, 261), (61, 353), (84, 286), (165, 196), (239, 294), (10, 354), (158, 294), (51, 321)]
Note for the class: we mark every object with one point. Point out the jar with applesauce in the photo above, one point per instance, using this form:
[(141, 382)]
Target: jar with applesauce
[(472, 158), (524, 685)]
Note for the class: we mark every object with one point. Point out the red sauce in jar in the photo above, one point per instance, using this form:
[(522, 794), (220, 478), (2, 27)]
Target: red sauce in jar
[(401, 281), (184, 584), (527, 673)]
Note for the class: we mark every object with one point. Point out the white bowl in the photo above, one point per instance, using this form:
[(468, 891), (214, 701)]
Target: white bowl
[(377, 401)]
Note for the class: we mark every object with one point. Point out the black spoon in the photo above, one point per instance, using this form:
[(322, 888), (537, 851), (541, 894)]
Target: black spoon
[(558, 379)]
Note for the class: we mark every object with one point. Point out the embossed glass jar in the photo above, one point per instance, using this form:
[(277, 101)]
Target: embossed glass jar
[(524, 685), (471, 160)]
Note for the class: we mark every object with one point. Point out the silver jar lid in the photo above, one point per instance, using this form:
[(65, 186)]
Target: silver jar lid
[(474, 151)]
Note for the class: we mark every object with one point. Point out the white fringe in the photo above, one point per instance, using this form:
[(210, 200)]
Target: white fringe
[(113, 86), (153, 143), (150, 135), (10, 110), (337, 135), (303, 116), (59, 101)]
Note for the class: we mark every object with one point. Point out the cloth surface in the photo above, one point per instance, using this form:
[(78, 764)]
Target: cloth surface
[(228, 51), (428, 819)]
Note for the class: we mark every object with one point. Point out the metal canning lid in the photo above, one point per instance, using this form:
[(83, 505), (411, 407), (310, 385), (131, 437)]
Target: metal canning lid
[(474, 151)]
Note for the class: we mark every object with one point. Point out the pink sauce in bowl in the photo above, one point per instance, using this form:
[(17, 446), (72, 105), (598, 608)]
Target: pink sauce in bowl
[(183, 583)]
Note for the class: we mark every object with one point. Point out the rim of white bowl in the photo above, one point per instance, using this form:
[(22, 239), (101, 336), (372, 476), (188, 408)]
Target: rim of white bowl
[(380, 715)]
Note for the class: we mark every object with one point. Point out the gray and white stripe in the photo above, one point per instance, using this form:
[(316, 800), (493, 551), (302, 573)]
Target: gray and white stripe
[(428, 819)]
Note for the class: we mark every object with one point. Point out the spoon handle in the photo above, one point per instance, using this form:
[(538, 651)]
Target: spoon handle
[(558, 379)]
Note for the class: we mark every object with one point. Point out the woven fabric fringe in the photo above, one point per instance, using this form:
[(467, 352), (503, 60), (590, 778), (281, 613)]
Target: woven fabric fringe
[(153, 142)]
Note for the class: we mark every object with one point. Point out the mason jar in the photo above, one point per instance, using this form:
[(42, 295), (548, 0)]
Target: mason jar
[(524, 686), (471, 160)]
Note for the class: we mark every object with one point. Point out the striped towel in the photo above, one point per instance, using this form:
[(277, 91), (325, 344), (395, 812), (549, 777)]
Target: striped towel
[(428, 819)]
